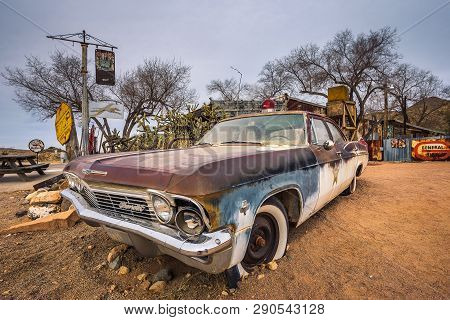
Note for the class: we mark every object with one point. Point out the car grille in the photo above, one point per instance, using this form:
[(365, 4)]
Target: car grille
[(118, 205)]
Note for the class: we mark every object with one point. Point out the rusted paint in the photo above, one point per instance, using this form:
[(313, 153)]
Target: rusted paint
[(431, 149)]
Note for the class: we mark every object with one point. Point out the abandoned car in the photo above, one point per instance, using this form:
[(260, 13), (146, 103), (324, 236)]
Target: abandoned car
[(226, 203)]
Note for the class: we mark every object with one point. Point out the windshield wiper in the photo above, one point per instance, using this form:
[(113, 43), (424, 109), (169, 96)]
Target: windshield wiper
[(204, 144), (242, 142)]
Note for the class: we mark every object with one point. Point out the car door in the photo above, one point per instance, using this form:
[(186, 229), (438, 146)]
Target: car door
[(329, 161), (345, 150)]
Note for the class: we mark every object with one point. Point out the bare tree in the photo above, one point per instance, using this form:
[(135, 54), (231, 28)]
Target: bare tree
[(152, 88), (410, 85), (229, 89), (273, 81), (40, 87), (358, 62), (404, 87), (431, 87)]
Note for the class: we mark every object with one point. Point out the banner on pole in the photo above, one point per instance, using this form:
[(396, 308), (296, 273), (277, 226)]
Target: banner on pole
[(105, 67), (105, 109)]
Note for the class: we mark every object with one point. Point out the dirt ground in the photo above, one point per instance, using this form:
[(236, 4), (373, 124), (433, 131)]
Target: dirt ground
[(389, 240)]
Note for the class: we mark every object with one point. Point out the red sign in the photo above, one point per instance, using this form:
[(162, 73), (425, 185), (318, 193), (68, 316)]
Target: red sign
[(431, 149)]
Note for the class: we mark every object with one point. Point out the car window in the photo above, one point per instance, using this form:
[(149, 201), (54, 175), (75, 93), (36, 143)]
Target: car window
[(335, 133), (320, 132)]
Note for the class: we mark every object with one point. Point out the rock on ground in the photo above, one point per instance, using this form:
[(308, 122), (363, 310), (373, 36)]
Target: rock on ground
[(21, 213), (158, 286), (36, 212), (99, 266), (65, 204), (123, 271), (34, 194), (272, 265), (47, 197), (115, 264), (61, 220), (112, 288), (145, 285), (116, 251), (163, 275), (142, 276)]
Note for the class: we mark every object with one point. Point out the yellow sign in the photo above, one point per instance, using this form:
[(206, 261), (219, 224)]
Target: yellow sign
[(63, 123), (338, 93)]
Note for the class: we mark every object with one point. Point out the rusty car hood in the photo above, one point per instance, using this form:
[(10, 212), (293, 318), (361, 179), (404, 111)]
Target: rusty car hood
[(198, 170)]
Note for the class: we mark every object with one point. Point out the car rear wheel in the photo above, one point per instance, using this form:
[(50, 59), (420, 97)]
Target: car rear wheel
[(351, 188), (267, 242)]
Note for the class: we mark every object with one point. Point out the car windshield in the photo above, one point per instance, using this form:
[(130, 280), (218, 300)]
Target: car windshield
[(275, 129)]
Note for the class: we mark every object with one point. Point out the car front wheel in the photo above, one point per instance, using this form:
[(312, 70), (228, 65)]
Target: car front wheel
[(267, 242)]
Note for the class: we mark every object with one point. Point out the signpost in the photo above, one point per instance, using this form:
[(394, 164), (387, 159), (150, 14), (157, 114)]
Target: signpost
[(63, 123), (85, 40), (36, 145)]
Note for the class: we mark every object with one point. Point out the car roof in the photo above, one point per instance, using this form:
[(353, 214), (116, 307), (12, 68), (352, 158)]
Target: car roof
[(307, 113), (262, 114)]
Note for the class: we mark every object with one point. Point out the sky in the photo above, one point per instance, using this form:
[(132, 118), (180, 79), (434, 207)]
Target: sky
[(210, 36)]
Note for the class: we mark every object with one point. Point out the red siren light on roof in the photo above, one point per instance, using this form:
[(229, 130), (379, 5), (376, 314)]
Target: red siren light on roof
[(268, 105)]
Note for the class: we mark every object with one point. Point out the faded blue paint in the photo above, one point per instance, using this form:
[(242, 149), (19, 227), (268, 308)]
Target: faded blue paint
[(306, 179)]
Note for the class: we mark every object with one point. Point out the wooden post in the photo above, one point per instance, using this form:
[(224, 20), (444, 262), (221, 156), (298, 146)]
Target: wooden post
[(72, 146)]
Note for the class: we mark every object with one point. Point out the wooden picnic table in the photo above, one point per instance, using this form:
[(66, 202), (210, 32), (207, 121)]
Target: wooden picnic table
[(14, 164)]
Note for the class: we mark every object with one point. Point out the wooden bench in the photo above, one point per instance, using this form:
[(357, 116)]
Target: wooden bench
[(14, 164)]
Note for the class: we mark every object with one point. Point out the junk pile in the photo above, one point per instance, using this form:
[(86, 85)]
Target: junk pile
[(47, 210)]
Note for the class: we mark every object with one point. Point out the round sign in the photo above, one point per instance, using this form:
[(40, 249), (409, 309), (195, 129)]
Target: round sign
[(63, 123), (36, 145)]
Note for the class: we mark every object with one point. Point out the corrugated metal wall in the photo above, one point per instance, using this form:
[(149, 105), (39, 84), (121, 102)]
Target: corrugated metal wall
[(395, 150)]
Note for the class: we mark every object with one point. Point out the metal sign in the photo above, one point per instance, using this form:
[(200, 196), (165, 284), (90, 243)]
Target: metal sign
[(105, 67), (398, 143), (431, 149), (36, 145), (105, 109), (63, 123)]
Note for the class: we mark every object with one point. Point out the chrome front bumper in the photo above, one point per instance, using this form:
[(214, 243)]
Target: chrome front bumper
[(210, 252)]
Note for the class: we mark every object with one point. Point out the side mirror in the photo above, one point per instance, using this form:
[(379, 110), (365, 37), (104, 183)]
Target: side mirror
[(328, 145)]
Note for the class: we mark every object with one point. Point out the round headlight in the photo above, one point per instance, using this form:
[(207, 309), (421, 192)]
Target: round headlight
[(190, 221), (163, 210)]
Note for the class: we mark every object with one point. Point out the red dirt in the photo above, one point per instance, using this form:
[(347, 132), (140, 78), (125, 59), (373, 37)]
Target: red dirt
[(387, 241)]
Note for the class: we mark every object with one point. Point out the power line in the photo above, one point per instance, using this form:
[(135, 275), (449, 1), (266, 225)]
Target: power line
[(17, 12), (424, 18)]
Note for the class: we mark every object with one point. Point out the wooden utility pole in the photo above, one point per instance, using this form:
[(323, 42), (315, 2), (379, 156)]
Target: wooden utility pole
[(386, 110), (83, 36)]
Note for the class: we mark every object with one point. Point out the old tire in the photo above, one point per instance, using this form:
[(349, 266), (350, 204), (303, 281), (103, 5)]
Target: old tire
[(351, 188), (268, 241)]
